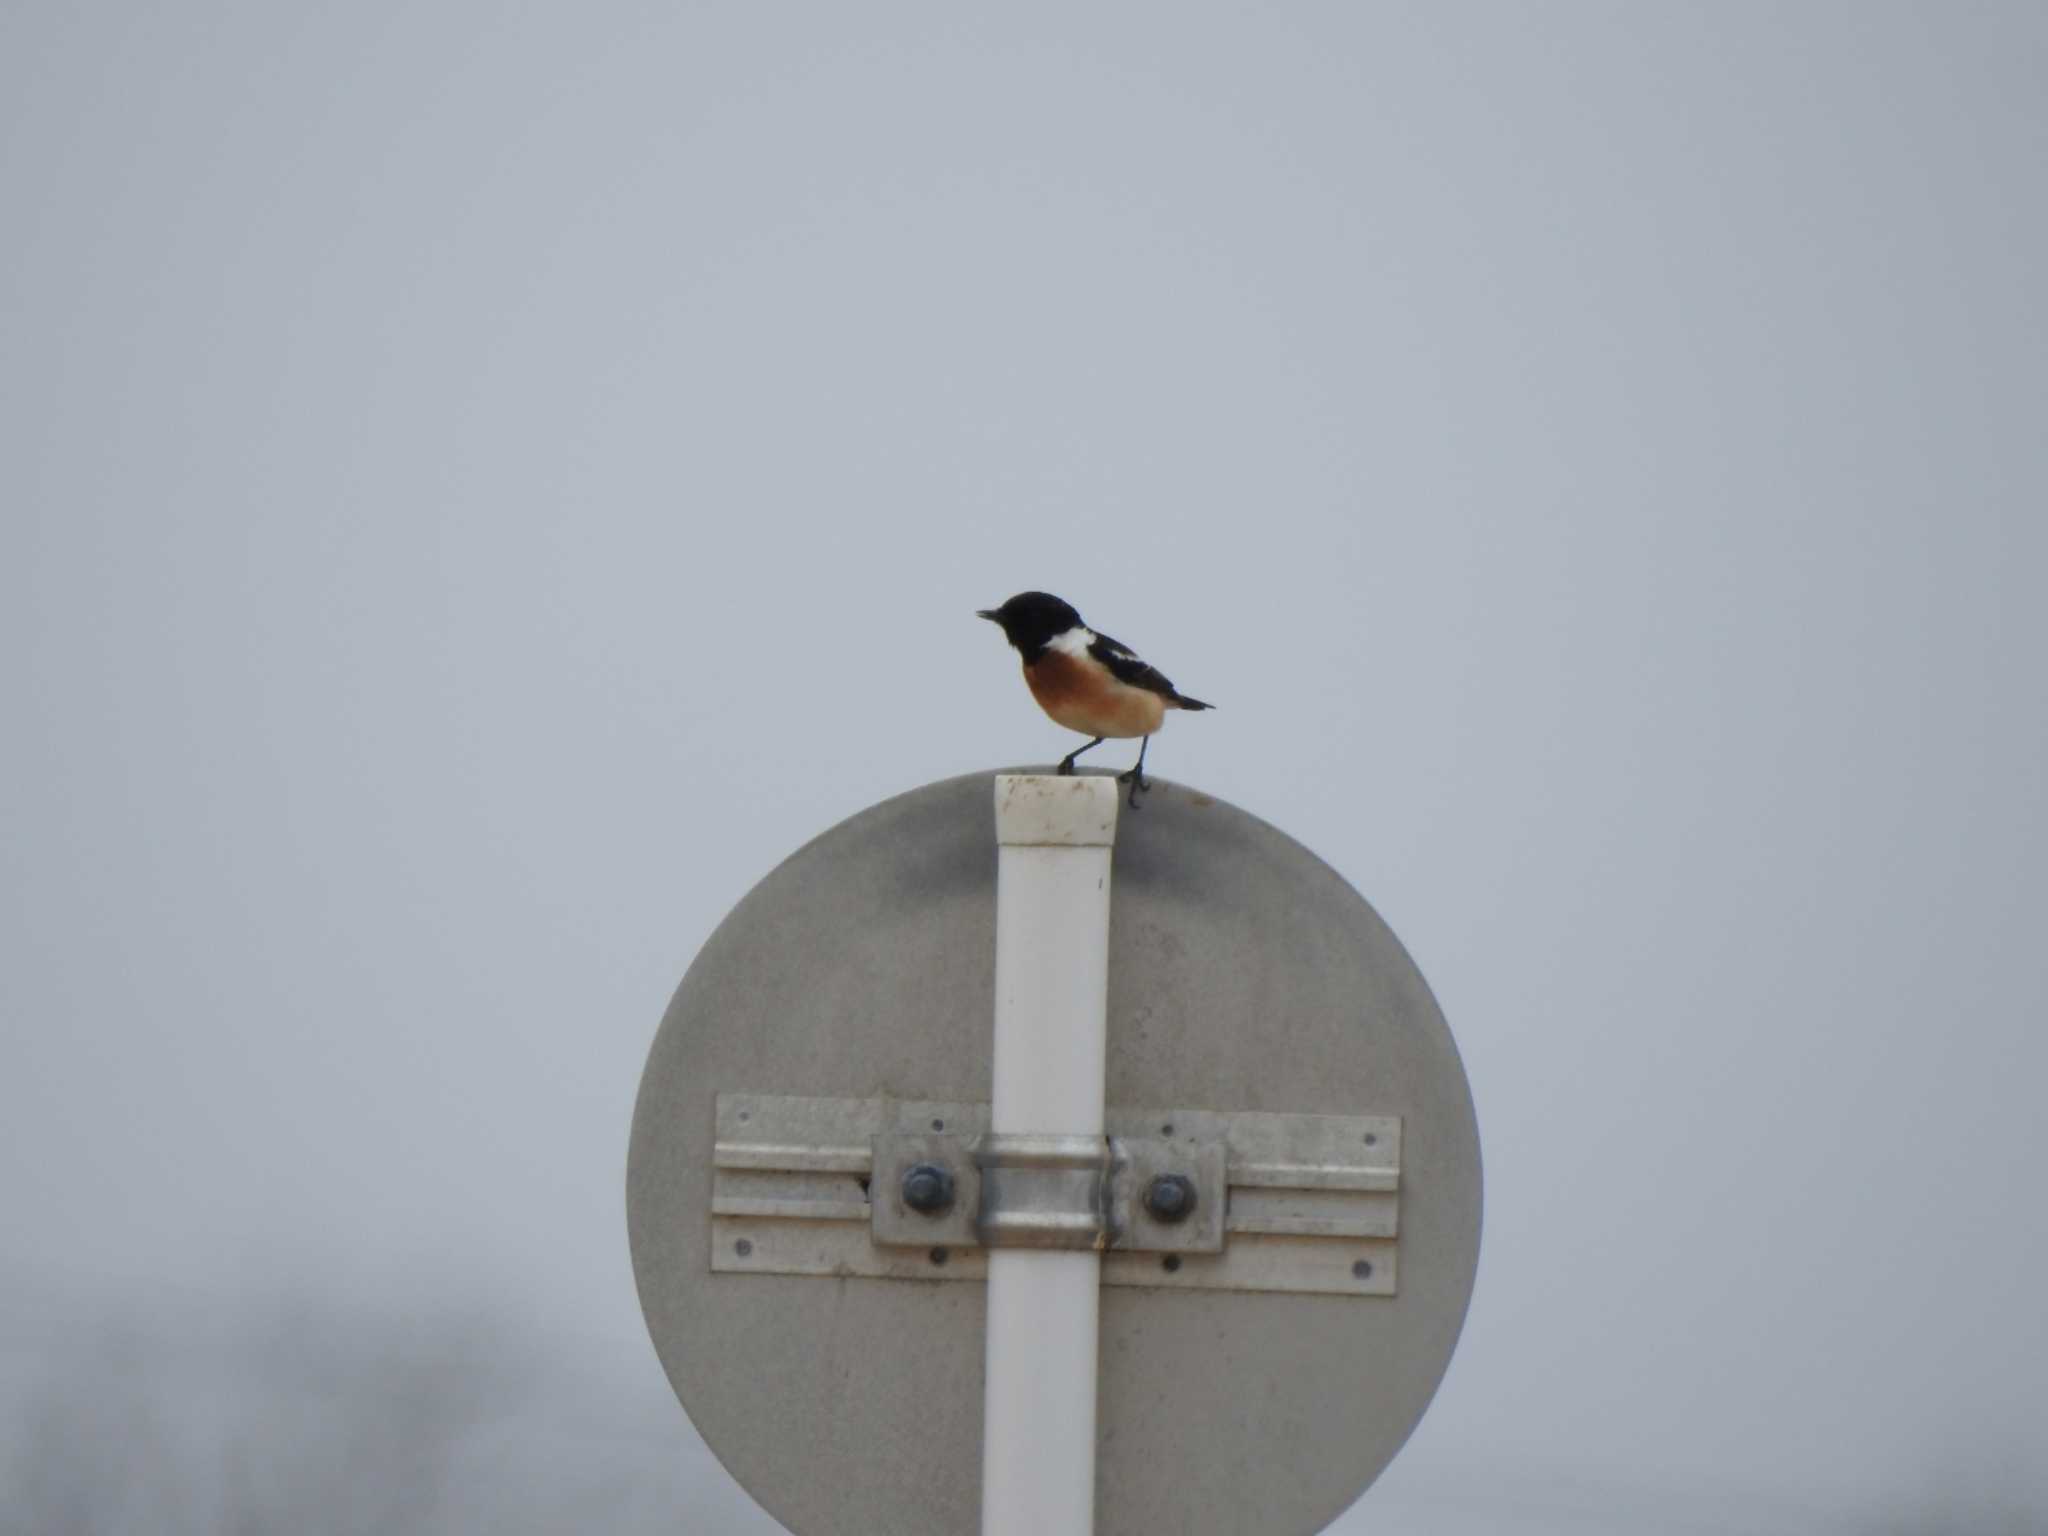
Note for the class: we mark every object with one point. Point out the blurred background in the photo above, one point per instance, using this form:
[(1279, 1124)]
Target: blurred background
[(464, 470)]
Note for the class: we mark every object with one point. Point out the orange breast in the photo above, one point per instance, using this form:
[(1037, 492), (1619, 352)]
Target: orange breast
[(1084, 696)]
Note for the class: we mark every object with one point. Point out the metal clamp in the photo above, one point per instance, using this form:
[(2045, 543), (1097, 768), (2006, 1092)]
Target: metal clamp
[(1131, 1194)]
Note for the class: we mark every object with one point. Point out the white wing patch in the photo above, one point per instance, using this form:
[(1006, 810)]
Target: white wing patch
[(1078, 640), (1074, 642)]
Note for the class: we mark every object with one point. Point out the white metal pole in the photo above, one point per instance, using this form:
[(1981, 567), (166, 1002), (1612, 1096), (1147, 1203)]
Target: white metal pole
[(1054, 837)]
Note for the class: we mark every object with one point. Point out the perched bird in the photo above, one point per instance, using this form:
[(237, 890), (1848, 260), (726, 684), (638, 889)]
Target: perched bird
[(1086, 681)]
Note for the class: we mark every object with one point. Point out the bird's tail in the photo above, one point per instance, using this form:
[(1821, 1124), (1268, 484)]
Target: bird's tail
[(1182, 701)]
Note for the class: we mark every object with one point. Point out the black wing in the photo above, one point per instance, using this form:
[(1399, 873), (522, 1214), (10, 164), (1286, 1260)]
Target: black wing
[(1126, 666)]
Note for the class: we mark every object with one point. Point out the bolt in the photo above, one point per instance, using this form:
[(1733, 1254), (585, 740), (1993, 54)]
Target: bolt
[(928, 1189), (1170, 1197)]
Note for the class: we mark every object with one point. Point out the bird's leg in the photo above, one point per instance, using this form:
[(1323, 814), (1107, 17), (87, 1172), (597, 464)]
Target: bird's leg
[(1067, 762), (1135, 774)]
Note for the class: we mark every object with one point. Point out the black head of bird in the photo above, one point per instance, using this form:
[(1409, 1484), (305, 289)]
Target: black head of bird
[(1030, 620)]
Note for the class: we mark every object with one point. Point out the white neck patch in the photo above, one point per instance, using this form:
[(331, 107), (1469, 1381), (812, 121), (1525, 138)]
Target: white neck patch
[(1074, 642)]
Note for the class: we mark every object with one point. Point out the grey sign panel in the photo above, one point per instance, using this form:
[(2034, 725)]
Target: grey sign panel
[(1251, 991)]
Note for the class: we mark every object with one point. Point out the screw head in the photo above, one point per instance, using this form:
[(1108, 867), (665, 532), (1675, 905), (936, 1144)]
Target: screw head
[(1170, 1197), (928, 1189)]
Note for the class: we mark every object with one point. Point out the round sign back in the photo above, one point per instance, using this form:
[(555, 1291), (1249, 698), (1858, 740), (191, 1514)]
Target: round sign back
[(1252, 993)]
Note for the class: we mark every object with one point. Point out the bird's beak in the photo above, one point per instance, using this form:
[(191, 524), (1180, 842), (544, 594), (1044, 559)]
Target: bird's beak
[(988, 613)]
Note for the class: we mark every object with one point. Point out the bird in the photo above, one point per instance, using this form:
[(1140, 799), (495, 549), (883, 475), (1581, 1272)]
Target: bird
[(1086, 681)]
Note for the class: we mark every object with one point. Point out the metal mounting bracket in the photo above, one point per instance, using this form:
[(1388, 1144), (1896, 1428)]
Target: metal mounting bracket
[(1195, 1199)]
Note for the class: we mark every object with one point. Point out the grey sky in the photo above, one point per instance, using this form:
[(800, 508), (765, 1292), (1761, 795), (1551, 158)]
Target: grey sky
[(480, 487)]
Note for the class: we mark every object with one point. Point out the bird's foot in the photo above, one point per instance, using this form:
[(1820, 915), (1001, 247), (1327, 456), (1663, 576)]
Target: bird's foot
[(1066, 768), (1138, 782)]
